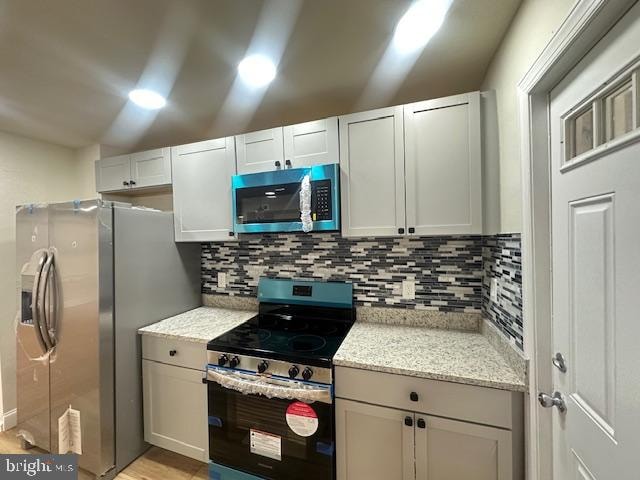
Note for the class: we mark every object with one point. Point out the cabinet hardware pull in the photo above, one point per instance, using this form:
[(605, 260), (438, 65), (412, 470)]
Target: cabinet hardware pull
[(125, 183), (401, 231), (133, 182), (277, 163), (408, 421), (412, 230), (173, 353), (422, 423), (287, 163), (231, 234), (413, 396)]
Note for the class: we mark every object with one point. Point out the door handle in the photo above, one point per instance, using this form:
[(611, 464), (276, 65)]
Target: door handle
[(49, 292), (35, 308), (553, 400), (43, 291)]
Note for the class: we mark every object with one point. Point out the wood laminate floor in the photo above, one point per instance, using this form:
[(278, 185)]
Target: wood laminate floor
[(155, 464)]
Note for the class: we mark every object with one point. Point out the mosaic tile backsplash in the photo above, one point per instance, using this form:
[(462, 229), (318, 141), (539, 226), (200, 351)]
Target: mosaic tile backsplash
[(447, 270), (502, 260)]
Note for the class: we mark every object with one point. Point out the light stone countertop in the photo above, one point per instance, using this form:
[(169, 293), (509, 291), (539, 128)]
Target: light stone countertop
[(198, 325), (449, 355)]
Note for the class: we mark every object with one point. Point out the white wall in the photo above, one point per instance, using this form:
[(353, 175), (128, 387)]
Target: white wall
[(30, 171), (530, 31)]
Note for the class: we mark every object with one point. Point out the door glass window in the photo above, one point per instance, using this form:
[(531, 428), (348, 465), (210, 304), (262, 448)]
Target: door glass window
[(268, 204), (619, 111), (582, 133)]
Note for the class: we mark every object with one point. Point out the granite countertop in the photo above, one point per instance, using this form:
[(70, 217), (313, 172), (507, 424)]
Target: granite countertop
[(449, 355), (199, 325)]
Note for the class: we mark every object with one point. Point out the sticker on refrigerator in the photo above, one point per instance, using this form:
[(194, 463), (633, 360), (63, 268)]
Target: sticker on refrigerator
[(266, 444), (70, 432), (302, 419)]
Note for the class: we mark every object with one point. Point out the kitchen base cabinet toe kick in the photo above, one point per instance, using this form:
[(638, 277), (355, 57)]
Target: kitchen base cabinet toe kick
[(390, 436)]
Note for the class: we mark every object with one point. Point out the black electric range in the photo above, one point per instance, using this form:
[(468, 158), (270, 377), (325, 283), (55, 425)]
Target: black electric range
[(270, 384)]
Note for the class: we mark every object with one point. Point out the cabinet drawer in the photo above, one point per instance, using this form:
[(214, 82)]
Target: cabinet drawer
[(445, 399), (185, 354)]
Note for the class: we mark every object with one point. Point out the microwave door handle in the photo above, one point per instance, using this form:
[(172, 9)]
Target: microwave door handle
[(35, 310), (43, 290), (49, 301), (252, 384)]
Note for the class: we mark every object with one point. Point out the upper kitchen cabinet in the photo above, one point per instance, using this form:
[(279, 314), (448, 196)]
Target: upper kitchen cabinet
[(443, 165), (113, 174), (151, 168), (260, 151), (293, 146), (202, 190), (311, 143), (372, 173)]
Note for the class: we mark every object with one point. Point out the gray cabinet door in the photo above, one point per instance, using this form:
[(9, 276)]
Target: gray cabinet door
[(202, 190), (448, 449), (151, 168), (113, 173), (443, 162), (311, 143), (175, 409), (372, 173), (260, 151), (373, 443)]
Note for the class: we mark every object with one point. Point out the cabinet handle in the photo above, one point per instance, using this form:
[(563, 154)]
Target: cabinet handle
[(133, 182), (125, 183), (408, 421), (277, 163), (413, 396), (173, 353), (412, 230), (401, 231), (422, 423), (231, 234), (287, 163)]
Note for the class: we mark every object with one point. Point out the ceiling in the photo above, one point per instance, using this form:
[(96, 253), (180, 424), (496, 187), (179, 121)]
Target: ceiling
[(66, 66)]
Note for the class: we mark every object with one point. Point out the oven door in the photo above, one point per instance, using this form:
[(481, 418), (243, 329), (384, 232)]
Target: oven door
[(257, 425), (270, 201)]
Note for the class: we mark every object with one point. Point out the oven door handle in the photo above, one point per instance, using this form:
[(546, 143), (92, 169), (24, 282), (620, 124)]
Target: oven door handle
[(270, 387)]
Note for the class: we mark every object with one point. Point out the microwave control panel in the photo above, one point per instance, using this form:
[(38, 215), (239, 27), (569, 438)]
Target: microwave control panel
[(321, 200)]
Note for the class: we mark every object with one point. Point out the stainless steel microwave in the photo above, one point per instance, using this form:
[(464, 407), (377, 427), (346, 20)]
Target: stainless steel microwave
[(270, 201)]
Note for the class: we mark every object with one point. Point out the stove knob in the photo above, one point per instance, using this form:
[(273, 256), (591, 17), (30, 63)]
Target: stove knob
[(307, 373), (222, 360), (234, 362), (294, 371), (262, 366)]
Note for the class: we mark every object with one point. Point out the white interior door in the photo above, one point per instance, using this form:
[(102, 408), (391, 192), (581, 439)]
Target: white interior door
[(595, 138)]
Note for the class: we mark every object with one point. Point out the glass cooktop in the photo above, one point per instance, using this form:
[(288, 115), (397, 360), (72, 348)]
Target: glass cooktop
[(289, 333)]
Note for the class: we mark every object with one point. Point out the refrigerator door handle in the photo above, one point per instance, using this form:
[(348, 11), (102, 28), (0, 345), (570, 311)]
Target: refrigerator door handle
[(49, 310), (35, 307)]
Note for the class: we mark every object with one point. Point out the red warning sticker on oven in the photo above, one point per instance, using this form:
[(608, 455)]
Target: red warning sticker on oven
[(302, 419)]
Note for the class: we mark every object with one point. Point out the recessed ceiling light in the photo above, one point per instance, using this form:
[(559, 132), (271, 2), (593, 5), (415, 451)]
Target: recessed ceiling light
[(257, 70), (419, 24), (147, 99)]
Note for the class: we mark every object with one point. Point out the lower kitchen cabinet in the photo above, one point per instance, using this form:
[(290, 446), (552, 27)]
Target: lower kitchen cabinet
[(374, 442), (404, 428), (175, 409)]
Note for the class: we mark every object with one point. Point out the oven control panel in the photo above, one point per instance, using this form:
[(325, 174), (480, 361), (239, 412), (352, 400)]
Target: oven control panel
[(265, 366), (321, 200)]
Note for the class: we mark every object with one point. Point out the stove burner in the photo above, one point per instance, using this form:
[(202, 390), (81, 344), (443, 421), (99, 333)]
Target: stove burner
[(307, 343), (252, 338), (283, 322)]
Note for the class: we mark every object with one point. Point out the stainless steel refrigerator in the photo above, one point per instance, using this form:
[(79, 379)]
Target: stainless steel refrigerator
[(91, 273)]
